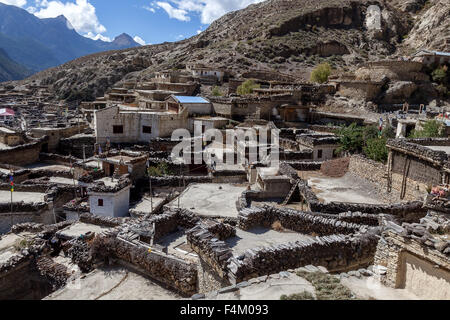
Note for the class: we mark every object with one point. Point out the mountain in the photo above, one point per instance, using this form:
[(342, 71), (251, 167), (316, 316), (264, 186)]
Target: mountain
[(42, 43), (288, 37), (11, 70)]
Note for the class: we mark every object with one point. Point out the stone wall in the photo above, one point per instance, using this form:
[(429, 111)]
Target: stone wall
[(101, 221), (302, 222), (74, 146), (213, 251), (337, 253), (409, 264), (167, 270), (376, 173), (22, 155)]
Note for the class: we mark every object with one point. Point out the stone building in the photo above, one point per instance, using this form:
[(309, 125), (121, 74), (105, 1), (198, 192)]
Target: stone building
[(324, 146), (428, 57), (415, 257), (194, 105), (10, 137), (55, 134), (129, 125), (207, 74), (422, 161), (123, 163)]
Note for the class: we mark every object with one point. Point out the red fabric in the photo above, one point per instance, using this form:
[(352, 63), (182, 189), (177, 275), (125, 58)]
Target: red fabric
[(7, 112)]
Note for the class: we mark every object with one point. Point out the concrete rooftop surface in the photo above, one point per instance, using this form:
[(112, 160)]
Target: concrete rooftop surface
[(210, 199)]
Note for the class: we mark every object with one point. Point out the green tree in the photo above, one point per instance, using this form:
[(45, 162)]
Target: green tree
[(430, 129), (376, 149), (439, 75), (247, 87), (370, 132), (160, 170), (350, 138), (355, 139), (216, 92), (321, 73)]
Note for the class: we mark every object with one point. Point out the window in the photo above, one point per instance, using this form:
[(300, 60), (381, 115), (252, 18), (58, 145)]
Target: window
[(100, 202), (117, 129), (335, 153), (147, 129), (319, 154)]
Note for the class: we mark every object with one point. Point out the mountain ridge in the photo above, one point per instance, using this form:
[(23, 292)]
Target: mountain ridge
[(11, 70), (42, 43)]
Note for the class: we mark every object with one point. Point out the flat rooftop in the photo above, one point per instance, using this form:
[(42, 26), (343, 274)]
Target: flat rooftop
[(7, 250), (260, 237), (210, 199), (113, 283), (80, 229), (18, 196), (446, 149), (46, 166), (345, 189), (145, 205)]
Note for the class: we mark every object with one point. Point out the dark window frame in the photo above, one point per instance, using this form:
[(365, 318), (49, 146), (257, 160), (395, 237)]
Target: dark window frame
[(100, 203), (145, 129), (118, 129), (320, 154)]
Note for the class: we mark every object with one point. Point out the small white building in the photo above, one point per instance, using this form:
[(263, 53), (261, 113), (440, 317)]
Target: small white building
[(110, 198), (205, 72), (432, 57)]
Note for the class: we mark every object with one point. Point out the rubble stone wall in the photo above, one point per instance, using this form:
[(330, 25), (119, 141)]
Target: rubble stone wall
[(168, 270), (407, 258), (337, 253), (21, 155), (302, 222), (376, 173), (109, 222), (420, 170), (213, 251)]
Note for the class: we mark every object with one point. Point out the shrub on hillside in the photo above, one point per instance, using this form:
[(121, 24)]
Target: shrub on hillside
[(321, 73)]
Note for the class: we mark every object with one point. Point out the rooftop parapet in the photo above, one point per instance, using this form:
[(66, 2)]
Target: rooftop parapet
[(417, 148)]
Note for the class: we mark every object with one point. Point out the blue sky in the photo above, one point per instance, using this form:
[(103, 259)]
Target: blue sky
[(148, 21)]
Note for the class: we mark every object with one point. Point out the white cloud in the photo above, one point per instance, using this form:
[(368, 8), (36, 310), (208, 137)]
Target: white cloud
[(149, 9), (179, 14), (209, 10), (18, 3), (139, 40), (80, 13)]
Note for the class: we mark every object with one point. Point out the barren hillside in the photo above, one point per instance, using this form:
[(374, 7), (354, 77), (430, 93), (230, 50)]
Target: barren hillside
[(290, 36)]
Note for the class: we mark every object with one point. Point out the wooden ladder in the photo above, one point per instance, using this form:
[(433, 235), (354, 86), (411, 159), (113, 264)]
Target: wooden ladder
[(290, 194)]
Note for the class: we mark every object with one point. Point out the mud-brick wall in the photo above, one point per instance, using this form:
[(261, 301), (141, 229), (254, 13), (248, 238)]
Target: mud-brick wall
[(22, 155), (420, 170)]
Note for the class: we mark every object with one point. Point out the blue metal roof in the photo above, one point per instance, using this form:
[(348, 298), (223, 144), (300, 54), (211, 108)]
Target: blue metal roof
[(183, 99), (440, 53)]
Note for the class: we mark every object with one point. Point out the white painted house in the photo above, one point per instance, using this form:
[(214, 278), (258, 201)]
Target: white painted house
[(111, 201)]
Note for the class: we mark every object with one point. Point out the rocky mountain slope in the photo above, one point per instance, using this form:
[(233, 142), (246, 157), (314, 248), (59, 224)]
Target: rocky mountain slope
[(11, 70), (287, 36), (42, 43)]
